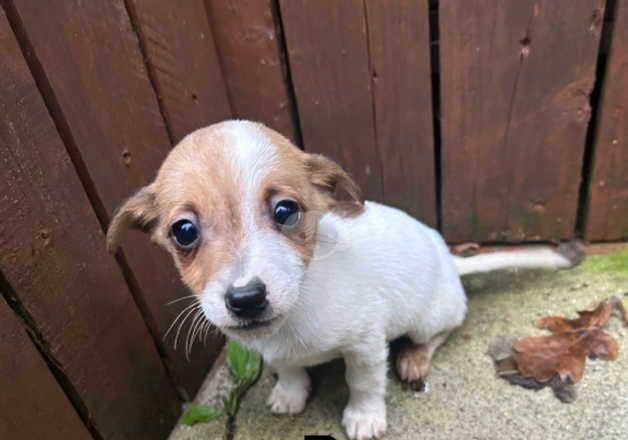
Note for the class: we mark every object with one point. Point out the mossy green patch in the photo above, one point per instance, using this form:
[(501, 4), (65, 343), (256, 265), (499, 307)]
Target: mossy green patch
[(616, 264)]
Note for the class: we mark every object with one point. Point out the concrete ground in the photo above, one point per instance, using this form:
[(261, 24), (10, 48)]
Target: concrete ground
[(464, 398)]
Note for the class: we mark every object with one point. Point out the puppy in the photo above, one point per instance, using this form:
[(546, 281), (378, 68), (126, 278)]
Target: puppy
[(286, 258)]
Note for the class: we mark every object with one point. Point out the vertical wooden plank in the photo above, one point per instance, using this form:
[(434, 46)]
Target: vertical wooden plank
[(249, 47), (32, 404), (516, 77), (400, 58), (90, 59), (182, 58), (52, 256), (329, 62), (607, 207)]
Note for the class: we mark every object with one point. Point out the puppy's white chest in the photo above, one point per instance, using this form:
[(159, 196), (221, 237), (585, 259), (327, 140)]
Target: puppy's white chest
[(285, 350)]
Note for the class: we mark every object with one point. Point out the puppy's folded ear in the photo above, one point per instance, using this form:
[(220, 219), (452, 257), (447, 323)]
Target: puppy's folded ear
[(138, 212), (327, 176)]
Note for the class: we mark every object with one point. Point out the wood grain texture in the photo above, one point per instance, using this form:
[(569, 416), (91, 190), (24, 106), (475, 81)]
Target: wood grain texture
[(182, 58), (32, 404), (327, 45), (607, 207), (91, 59), (400, 60), (249, 46), (515, 83), (52, 256)]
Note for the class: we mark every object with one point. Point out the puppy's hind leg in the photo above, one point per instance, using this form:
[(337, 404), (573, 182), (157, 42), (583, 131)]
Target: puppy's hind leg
[(432, 329), (413, 361)]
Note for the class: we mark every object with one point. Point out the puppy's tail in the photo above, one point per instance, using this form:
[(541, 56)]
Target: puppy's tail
[(567, 255)]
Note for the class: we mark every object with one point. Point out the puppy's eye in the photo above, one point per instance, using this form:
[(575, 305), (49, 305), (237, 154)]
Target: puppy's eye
[(185, 234), (287, 213)]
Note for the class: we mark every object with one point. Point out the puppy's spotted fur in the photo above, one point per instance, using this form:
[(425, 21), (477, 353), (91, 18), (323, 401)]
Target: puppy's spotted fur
[(342, 282)]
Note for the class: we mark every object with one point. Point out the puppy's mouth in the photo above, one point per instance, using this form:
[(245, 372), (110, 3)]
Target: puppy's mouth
[(247, 326)]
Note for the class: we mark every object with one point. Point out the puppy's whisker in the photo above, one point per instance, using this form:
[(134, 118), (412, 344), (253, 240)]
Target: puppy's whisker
[(202, 330), (189, 333), (206, 329), (169, 303), (202, 336), (187, 315), (197, 330), (180, 326), (177, 318), (198, 318), (202, 326), (210, 330)]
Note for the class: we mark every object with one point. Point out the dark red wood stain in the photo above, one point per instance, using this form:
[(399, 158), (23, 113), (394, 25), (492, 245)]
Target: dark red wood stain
[(328, 48), (91, 59), (402, 100), (182, 58), (248, 42), (54, 259), (31, 402), (607, 207), (515, 82)]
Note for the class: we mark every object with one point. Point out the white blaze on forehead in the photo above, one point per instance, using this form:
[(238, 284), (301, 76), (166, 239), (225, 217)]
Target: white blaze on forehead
[(251, 154)]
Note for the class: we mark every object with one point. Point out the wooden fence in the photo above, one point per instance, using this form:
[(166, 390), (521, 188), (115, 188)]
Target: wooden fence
[(496, 121)]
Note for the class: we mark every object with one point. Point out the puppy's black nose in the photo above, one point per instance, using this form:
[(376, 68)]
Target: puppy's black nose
[(247, 301)]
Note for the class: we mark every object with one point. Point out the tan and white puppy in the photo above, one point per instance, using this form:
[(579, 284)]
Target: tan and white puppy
[(285, 257)]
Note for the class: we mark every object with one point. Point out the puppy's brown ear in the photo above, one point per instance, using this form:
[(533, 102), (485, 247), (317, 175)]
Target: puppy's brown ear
[(335, 183), (138, 212)]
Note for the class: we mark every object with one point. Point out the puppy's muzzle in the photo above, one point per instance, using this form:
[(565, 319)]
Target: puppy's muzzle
[(247, 301)]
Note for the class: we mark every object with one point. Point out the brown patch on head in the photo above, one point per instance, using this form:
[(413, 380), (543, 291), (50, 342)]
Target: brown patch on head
[(194, 182), (342, 194), (139, 211), (200, 181), (289, 181), (197, 178), (316, 183)]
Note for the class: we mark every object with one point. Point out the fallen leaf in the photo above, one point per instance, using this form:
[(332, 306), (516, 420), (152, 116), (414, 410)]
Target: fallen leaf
[(542, 357), (558, 360)]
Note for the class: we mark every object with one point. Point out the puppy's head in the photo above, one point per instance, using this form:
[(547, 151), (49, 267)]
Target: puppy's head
[(237, 206)]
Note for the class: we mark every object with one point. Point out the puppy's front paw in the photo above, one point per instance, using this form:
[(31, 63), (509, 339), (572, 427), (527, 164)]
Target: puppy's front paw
[(364, 424), (287, 401)]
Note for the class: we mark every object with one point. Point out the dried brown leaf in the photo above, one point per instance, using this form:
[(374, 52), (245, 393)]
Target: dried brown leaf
[(541, 357), (558, 360), (588, 318), (565, 351)]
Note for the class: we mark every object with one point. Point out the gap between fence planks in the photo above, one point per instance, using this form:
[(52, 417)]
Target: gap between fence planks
[(328, 50), (515, 83), (363, 97), (399, 44), (607, 204), (32, 404), (249, 45)]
